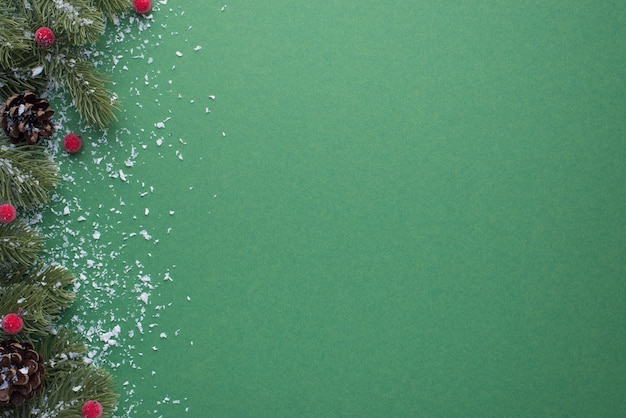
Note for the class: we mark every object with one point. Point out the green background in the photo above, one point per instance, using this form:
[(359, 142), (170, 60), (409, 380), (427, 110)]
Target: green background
[(393, 208)]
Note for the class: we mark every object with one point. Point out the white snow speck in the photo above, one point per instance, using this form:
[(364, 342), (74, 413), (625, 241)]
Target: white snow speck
[(36, 71), (179, 54), (143, 297)]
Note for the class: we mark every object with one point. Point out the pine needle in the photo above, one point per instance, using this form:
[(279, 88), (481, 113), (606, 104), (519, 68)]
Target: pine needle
[(20, 246), (27, 176)]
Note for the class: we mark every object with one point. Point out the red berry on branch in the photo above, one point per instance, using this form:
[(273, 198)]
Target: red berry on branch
[(72, 143), (142, 6), (7, 213), (12, 323), (91, 409), (44, 37)]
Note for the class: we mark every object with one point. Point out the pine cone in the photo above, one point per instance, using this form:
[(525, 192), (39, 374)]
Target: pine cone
[(26, 118), (21, 372)]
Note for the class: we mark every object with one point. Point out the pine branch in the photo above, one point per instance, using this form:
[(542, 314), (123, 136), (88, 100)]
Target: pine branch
[(94, 102), (66, 370), (27, 175), (12, 35), (78, 20), (20, 246), (112, 7), (42, 295)]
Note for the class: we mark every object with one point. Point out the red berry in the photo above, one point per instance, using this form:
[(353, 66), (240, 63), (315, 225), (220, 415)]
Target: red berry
[(72, 143), (142, 6), (44, 36), (12, 323), (7, 213), (91, 409)]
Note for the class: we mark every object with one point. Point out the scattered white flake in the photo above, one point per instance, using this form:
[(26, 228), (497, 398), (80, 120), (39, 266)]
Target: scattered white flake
[(36, 71), (145, 235), (159, 142), (81, 218), (143, 297), (21, 300), (212, 97), (223, 133), (77, 388), (146, 212), (223, 8), (96, 235), (122, 175), (163, 335), (172, 212), (188, 298), (159, 125), (155, 349), (179, 54), (197, 48), (66, 210), (107, 337)]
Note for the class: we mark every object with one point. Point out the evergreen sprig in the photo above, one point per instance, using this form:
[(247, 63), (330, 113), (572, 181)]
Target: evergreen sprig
[(41, 294), (87, 87), (112, 7), (20, 246), (79, 21), (77, 24), (12, 36), (70, 380), (27, 175)]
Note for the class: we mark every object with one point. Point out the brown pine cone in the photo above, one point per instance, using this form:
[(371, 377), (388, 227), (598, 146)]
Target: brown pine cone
[(21, 372), (26, 118)]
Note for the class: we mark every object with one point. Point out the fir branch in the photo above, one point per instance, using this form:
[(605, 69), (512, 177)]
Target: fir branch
[(18, 80), (12, 35), (86, 85), (78, 20), (20, 246), (67, 370), (27, 175), (42, 295), (112, 7)]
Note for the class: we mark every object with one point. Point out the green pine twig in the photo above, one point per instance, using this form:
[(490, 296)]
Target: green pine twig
[(20, 246), (113, 7), (77, 20), (42, 295), (94, 102), (69, 380), (27, 176)]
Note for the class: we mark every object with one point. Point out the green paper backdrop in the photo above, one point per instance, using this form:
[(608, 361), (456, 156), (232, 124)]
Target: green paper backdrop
[(389, 209)]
